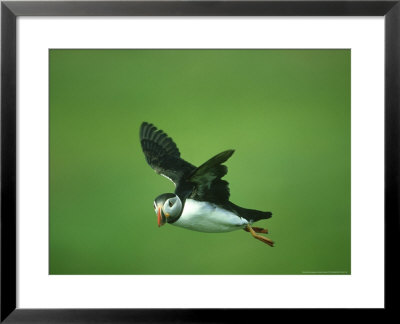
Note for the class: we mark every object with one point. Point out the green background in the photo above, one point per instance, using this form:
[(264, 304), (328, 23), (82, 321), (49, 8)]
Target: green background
[(285, 112)]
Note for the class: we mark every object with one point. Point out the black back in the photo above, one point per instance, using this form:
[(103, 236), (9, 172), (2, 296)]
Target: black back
[(207, 180)]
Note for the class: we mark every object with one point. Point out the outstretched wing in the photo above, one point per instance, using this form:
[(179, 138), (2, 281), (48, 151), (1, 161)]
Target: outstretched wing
[(162, 153), (207, 179)]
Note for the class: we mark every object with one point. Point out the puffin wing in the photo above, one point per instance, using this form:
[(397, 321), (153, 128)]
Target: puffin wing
[(207, 179), (162, 154)]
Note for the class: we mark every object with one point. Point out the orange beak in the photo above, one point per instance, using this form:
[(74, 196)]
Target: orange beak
[(160, 217)]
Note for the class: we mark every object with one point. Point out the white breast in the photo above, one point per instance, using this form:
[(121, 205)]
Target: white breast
[(207, 217)]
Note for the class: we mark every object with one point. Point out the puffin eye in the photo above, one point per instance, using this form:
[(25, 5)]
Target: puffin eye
[(170, 203), (154, 205)]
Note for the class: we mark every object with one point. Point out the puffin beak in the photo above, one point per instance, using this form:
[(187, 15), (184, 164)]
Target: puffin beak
[(160, 217)]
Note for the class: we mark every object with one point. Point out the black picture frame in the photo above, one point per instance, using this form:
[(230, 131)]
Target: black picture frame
[(10, 10)]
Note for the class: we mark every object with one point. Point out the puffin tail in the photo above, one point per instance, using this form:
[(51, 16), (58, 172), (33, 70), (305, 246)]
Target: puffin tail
[(250, 214), (256, 215)]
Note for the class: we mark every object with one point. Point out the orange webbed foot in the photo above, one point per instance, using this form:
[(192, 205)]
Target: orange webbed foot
[(263, 239)]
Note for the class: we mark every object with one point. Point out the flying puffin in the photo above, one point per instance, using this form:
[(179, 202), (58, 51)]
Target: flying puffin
[(201, 198)]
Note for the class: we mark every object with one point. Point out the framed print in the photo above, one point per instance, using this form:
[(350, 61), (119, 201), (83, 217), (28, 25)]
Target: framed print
[(97, 94)]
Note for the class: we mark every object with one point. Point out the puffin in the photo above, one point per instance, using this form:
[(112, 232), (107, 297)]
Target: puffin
[(200, 201)]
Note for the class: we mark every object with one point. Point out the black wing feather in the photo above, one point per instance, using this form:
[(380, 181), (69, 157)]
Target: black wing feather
[(203, 183), (207, 178), (162, 154)]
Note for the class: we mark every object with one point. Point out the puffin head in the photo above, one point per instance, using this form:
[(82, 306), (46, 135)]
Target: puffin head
[(168, 208)]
